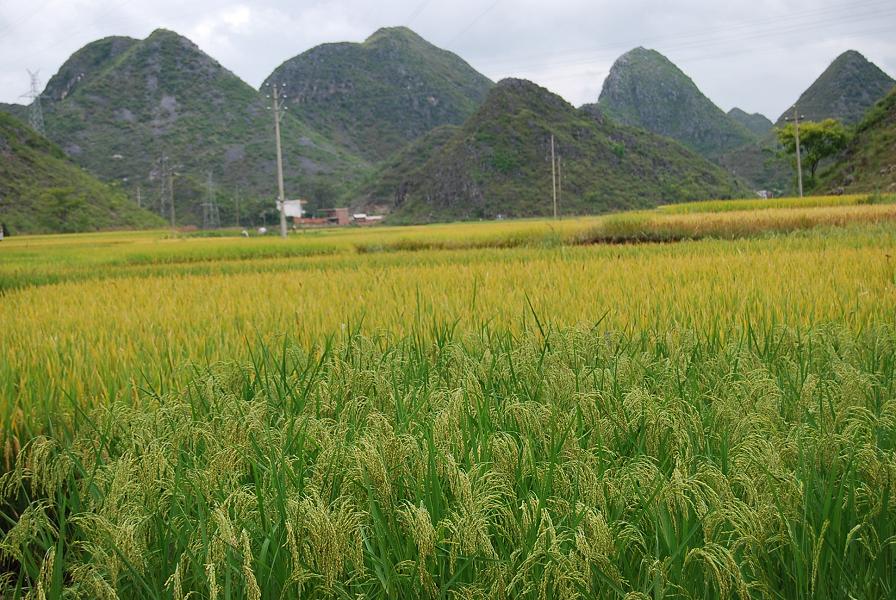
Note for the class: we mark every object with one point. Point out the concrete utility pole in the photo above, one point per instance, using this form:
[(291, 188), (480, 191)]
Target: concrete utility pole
[(796, 132), (171, 197), (163, 189), (160, 205), (559, 181), (211, 218), (166, 193), (236, 208), (276, 95), (35, 112), (139, 198), (554, 175)]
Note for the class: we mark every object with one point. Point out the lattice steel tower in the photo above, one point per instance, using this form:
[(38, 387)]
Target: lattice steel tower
[(35, 112)]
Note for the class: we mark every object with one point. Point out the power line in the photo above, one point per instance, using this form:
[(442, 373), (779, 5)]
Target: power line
[(852, 12), (670, 48), (470, 25), (693, 44), (27, 18), (420, 8), (688, 40), (702, 57)]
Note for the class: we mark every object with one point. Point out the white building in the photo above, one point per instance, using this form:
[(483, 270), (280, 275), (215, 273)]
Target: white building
[(293, 208)]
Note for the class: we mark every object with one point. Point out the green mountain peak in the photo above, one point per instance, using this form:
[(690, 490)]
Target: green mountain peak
[(374, 97), (645, 89), (400, 33), (498, 163), (845, 91), (758, 124), (142, 99), (86, 64)]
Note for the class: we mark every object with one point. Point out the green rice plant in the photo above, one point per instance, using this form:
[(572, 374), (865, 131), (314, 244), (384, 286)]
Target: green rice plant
[(107, 337), (495, 410), (560, 462)]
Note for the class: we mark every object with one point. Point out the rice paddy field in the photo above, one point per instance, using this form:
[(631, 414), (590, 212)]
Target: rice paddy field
[(692, 402)]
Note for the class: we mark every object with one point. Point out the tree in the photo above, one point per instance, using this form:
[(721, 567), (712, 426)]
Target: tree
[(817, 140)]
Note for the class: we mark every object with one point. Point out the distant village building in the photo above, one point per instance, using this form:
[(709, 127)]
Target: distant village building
[(327, 217), (293, 208), (365, 219), (336, 216)]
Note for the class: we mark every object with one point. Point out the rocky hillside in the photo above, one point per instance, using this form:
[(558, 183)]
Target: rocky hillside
[(86, 65), (375, 97), (41, 191), (846, 90), (757, 124), (762, 165), (498, 163), (645, 89), (19, 111), (869, 163), (119, 104), (759, 162)]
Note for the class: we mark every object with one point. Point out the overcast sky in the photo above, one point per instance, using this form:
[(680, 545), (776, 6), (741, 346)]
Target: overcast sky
[(756, 54)]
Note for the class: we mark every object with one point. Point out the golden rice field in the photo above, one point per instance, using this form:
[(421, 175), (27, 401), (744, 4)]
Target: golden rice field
[(532, 409)]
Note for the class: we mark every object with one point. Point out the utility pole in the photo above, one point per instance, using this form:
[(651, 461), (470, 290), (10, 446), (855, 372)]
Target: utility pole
[(796, 131), (35, 112), (559, 181), (166, 192), (236, 202), (139, 198), (276, 95), (171, 197), (163, 189), (210, 217), (554, 175), (160, 204)]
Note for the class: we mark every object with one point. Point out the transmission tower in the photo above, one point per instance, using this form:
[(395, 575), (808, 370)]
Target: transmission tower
[(35, 112), (211, 219)]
